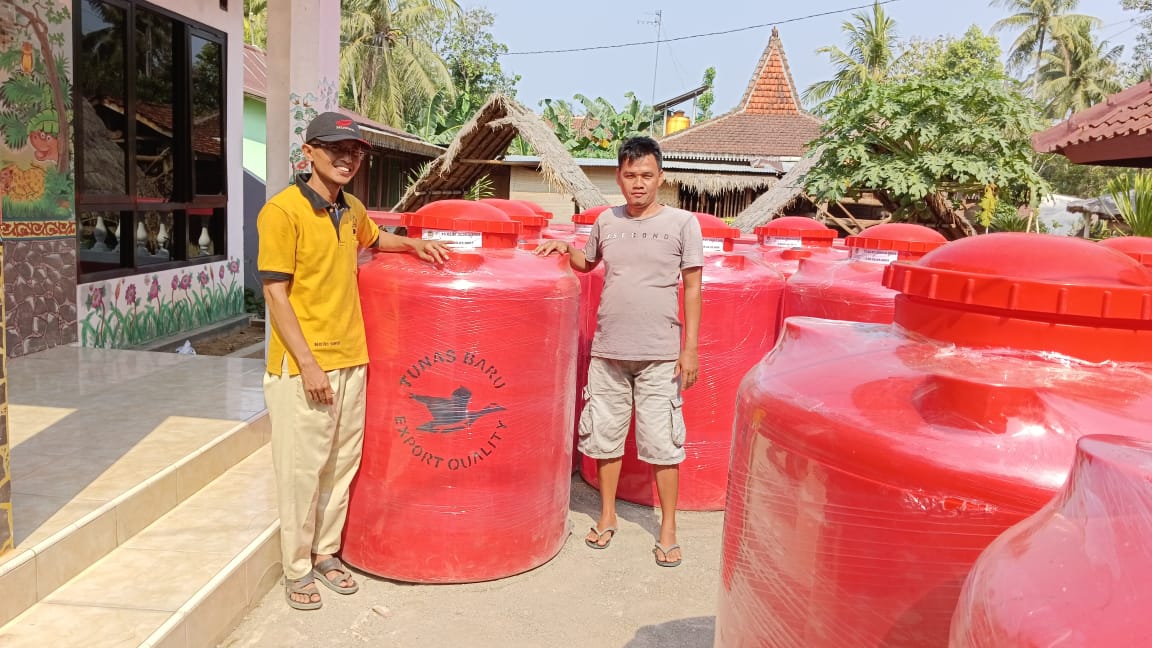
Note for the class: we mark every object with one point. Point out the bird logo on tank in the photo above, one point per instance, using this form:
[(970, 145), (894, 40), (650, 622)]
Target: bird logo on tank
[(439, 423), (451, 414)]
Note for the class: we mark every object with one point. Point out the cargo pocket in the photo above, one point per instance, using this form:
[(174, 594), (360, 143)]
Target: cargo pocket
[(586, 423), (678, 427)]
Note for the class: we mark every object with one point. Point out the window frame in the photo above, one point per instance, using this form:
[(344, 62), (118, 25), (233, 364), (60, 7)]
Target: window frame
[(130, 206)]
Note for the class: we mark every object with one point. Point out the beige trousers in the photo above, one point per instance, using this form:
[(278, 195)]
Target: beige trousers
[(315, 453)]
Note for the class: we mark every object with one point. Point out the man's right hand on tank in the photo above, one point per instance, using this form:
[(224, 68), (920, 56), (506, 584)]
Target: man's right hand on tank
[(550, 247)]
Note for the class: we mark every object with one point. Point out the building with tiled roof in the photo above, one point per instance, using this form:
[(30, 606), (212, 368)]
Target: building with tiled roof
[(1116, 132), (768, 129), (767, 126)]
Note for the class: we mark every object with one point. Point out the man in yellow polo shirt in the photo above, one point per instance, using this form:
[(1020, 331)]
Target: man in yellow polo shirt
[(310, 234)]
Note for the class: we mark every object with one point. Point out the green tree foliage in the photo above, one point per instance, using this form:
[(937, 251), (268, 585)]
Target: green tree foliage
[(386, 69), (1140, 68), (871, 52), (705, 101), (1133, 195), (472, 55), (975, 55), (1067, 178), (1040, 23), (928, 147), (256, 23), (1077, 72), (598, 131)]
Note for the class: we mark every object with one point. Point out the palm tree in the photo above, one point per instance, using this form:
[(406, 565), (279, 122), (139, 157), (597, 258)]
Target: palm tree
[(386, 69), (871, 52), (1040, 22), (256, 22), (1078, 71)]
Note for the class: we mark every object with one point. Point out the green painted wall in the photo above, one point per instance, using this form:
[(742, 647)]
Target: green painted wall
[(255, 138)]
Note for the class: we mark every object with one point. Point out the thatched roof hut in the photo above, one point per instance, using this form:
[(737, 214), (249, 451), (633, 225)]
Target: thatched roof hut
[(486, 138), (782, 194)]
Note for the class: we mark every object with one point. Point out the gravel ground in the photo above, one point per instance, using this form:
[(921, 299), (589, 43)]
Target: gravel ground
[(617, 597)]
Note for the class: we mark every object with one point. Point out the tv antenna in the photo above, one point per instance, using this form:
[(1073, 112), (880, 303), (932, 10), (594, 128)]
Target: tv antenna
[(658, 20)]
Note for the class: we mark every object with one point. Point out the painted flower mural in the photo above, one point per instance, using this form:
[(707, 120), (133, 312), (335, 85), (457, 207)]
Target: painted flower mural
[(126, 320)]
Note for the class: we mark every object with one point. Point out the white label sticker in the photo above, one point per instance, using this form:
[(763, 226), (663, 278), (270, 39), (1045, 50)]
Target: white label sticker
[(455, 240), (875, 256), (584, 230), (784, 241), (712, 245)]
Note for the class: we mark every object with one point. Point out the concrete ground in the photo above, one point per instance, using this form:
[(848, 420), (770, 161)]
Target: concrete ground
[(618, 597)]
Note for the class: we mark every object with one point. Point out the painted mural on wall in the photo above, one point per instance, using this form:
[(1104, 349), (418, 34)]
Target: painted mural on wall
[(36, 176), (302, 109), (135, 310)]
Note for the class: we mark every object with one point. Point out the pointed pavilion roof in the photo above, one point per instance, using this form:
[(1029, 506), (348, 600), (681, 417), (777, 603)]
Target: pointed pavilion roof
[(769, 121)]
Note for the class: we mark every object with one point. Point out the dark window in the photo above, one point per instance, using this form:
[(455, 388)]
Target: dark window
[(385, 177), (151, 166)]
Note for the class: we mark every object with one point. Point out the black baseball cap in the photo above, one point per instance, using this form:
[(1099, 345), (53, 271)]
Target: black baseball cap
[(334, 127)]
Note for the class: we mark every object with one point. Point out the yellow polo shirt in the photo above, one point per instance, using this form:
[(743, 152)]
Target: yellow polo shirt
[(313, 244)]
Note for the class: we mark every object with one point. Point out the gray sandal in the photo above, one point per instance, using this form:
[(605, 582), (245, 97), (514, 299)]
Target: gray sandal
[(297, 587), (666, 550), (595, 544), (320, 571)]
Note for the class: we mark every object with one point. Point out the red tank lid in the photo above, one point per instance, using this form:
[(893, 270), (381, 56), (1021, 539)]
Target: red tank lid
[(540, 211), (905, 241), (1028, 291), (808, 230), (1137, 247), (589, 216), (713, 227), (518, 211), (718, 236), (478, 224)]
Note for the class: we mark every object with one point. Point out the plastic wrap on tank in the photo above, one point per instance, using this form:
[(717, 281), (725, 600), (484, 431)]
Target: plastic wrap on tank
[(531, 222), (1137, 247), (783, 242), (469, 405), (1076, 573), (852, 289), (738, 325), (872, 464)]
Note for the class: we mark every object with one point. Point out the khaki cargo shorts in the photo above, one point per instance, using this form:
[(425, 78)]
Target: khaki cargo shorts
[(613, 387)]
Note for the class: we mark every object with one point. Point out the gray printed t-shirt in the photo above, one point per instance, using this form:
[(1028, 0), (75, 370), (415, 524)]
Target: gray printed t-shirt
[(639, 317)]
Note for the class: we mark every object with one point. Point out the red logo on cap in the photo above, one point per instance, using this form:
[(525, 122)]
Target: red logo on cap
[(343, 123)]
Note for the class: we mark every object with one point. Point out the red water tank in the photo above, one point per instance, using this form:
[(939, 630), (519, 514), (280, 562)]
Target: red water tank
[(530, 222), (1077, 572), (540, 211), (581, 224), (851, 289), (1137, 247), (741, 304), (786, 240), (873, 463), (467, 458)]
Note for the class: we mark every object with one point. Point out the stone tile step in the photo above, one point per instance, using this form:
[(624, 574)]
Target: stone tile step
[(40, 566), (184, 581)]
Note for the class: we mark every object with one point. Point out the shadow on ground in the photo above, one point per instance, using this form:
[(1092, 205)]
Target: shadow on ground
[(693, 632), (586, 500)]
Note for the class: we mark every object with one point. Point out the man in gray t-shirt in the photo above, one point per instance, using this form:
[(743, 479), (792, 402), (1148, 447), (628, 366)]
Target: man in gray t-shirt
[(641, 354)]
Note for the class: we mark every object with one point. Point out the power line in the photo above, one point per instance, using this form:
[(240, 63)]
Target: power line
[(715, 33)]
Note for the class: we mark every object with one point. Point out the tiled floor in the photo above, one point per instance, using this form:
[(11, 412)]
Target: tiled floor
[(89, 424), (119, 513)]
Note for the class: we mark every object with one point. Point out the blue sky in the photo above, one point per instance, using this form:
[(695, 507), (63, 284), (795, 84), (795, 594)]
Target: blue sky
[(547, 24)]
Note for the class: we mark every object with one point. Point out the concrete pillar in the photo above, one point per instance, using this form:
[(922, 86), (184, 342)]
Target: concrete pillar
[(303, 72), (6, 529)]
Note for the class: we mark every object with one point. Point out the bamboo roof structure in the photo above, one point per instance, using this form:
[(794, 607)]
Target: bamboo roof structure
[(485, 139)]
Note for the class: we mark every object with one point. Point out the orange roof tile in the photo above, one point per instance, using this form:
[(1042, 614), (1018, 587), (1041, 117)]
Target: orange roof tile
[(768, 121)]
